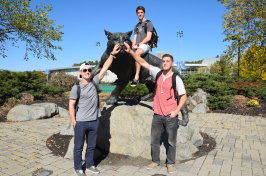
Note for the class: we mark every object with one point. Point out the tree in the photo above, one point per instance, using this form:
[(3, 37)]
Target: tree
[(244, 24), (254, 63), (18, 22), (96, 62), (222, 66)]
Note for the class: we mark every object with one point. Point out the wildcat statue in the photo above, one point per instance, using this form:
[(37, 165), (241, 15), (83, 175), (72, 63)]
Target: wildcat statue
[(124, 67)]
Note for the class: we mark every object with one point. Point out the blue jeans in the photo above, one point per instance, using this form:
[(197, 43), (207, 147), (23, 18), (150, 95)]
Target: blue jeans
[(84, 130), (170, 125)]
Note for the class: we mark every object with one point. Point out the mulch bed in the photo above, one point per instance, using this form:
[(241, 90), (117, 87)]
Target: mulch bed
[(239, 106), (58, 143)]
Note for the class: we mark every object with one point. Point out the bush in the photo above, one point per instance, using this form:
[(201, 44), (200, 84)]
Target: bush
[(139, 90), (14, 83), (52, 90), (219, 87), (249, 88), (63, 80)]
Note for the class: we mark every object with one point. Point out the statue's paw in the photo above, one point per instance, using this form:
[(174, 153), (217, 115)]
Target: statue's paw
[(111, 100), (182, 122)]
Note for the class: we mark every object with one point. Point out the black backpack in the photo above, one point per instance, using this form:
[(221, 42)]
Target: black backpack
[(173, 83), (78, 93), (154, 37)]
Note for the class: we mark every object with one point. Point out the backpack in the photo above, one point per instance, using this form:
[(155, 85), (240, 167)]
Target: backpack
[(154, 37), (78, 93), (173, 83)]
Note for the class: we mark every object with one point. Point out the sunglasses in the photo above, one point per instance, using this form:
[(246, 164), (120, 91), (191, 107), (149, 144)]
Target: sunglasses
[(85, 70)]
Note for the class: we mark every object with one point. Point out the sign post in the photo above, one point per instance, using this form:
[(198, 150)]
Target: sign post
[(47, 73)]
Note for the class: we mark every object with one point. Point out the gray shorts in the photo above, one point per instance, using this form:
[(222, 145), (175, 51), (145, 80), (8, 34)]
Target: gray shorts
[(145, 48)]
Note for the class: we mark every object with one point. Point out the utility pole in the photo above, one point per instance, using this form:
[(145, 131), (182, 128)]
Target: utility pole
[(98, 44), (180, 34)]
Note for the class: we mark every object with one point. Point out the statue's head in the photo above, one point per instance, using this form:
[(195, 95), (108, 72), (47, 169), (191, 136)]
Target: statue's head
[(118, 37)]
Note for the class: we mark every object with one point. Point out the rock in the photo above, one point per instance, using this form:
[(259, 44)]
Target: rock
[(32, 112), (125, 129), (200, 108), (198, 101), (67, 129), (26, 97), (192, 104), (63, 112)]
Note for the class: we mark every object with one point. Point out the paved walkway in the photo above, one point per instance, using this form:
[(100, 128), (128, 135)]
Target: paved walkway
[(240, 149)]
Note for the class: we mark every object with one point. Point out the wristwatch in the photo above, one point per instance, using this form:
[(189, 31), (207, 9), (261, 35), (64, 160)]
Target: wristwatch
[(111, 54)]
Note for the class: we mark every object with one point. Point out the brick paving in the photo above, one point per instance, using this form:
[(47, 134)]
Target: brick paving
[(240, 149)]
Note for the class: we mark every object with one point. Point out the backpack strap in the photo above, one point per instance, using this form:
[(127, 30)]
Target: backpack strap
[(145, 26), (156, 79), (174, 85), (78, 96), (96, 88)]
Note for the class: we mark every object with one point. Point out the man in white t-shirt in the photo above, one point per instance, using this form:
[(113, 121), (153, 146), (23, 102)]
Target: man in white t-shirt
[(165, 108)]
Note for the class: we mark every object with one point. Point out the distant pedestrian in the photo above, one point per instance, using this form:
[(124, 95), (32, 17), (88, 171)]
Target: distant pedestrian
[(85, 120)]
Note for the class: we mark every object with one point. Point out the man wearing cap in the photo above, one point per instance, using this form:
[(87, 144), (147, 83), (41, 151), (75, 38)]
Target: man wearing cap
[(85, 120)]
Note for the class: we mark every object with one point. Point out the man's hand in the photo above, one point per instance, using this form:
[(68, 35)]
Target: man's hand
[(116, 49), (128, 48), (74, 123), (173, 114), (135, 47)]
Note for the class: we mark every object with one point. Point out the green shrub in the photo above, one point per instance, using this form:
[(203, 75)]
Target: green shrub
[(12, 84), (261, 92), (139, 90), (63, 80), (249, 88), (52, 90), (219, 87)]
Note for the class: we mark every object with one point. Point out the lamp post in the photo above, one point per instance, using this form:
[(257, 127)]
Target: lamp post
[(98, 44), (180, 34), (238, 53)]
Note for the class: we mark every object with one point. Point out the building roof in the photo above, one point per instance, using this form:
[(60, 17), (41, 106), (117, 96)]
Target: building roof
[(209, 61), (66, 68)]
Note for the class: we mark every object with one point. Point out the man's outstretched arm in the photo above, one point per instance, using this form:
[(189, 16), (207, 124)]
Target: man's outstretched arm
[(108, 62), (139, 59)]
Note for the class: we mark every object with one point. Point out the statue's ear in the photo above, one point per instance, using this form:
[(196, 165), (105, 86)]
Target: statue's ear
[(129, 33), (108, 34)]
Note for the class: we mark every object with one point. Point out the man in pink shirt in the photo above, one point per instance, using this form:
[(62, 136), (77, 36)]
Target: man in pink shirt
[(165, 108)]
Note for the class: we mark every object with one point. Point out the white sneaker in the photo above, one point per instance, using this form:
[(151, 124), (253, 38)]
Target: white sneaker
[(93, 169)]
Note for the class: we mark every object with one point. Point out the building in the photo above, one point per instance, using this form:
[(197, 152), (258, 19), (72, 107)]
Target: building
[(161, 53), (108, 78)]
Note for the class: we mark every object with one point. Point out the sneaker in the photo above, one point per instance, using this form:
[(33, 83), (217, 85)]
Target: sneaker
[(80, 173), (93, 169), (152, 165), (134, 83), (170, 169)]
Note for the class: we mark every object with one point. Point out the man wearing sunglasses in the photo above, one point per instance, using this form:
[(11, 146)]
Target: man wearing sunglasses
[(85, 120)]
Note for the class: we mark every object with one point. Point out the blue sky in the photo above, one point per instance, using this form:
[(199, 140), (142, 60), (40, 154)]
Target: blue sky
[(84, 23)]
